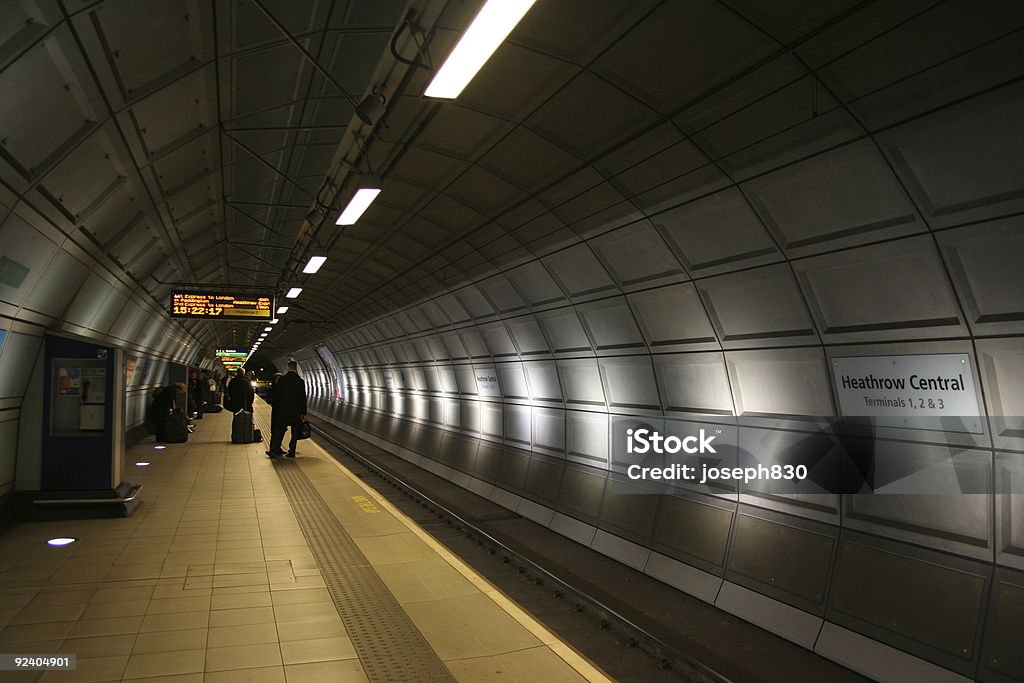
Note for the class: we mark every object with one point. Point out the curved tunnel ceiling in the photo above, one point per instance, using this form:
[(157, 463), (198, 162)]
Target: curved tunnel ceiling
[(184, 142), (616, 146)]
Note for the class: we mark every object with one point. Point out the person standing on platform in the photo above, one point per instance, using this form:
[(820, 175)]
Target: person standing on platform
[(239, 395), (289, 410)]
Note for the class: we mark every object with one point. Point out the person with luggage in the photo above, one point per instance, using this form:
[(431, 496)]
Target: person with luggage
[(169, 422), (239, 395), (238, 398), (288, 410)]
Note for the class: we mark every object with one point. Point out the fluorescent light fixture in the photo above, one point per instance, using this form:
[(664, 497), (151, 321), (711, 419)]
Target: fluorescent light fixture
[(61, 541), (357, 205), (268, 328), (159, 447), (142, 464), (293, 293), (274, 321), (314, 264), (491, 26), (281, 310)]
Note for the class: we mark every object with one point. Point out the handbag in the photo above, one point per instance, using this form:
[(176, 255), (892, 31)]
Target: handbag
[(304, 430)]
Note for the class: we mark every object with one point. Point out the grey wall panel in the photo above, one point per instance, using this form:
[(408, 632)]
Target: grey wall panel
[(893, 290), (518, 423), (629, 383), (780, 382), (17, 359), (778, 557), (843, 197), (717, 234), (629, 513), (501, 294), (1003, 654), (986, 272), (437, 348), (586, 438), (817, 497), (581, 493), (8, 448), (611, 326), (109, 311), (53, 293), (694, 383), (581, 382), (960, 163), (88, 300), (473, 342), (579, 272), (512, 468), (694, 529), (474, 302), (637, 255), (453, 343), (564, 330), (1009, 509), (543, 479), (535, 284), (465, 376), (488, 459), (491, 422), (673, 318), (542, 377), (498, 340), (549, 430), (446, 373), (469, 417), (955, 522), (1001, 365), (759, 307), (890, 594), (26, 253), (527, 335), (513, 380)]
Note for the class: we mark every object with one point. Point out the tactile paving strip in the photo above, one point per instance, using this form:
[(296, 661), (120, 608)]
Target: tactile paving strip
[(388, 644)]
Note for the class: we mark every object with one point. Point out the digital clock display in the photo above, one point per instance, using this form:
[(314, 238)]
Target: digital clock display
[(221, 306)]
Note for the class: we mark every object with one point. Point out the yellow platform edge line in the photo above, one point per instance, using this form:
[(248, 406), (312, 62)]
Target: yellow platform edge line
[(579, 663)]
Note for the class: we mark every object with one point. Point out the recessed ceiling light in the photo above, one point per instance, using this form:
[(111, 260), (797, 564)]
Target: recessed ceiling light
[(281, 310), (357, 205), (293, 293), (491, 26), (314, 264), (64, 540)]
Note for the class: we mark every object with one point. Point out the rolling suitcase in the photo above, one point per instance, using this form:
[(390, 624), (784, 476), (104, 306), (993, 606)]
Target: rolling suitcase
[(241, 427)]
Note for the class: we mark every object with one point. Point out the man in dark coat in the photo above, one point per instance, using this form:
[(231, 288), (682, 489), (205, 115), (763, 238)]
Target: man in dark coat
[(289, 409), (239, 393)]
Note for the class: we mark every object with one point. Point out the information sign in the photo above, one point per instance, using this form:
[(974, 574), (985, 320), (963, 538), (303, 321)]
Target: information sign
[(221, 306)]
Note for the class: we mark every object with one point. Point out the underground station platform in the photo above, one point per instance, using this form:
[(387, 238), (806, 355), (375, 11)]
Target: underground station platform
[(238, 567)]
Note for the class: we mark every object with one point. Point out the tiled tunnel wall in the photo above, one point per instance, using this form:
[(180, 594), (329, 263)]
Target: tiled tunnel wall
[(725, 312), (50, 282)]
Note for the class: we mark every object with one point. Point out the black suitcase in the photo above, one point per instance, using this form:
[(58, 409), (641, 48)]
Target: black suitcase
[(176, 427), (241, 427), (257, 435), (212, 408)]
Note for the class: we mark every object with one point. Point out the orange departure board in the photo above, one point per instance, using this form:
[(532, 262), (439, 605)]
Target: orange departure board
[(220, 306)]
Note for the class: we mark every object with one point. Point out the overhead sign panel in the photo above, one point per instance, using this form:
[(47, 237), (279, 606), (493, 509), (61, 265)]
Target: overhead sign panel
[(221, 306), (918, 392)]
